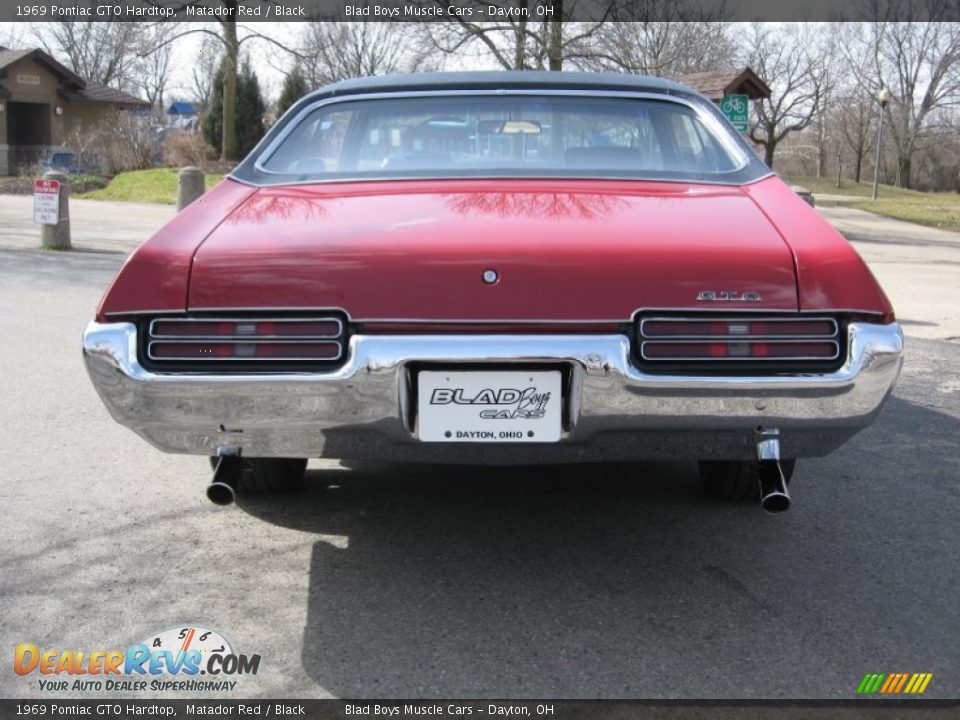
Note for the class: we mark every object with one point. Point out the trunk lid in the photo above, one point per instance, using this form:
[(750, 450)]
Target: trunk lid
[(565, 250)]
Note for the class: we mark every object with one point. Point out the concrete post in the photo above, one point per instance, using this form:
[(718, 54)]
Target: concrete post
[(57, 237), (190, 186)]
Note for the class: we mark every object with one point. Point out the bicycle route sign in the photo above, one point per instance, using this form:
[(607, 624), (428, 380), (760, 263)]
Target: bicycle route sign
[(737, 110)]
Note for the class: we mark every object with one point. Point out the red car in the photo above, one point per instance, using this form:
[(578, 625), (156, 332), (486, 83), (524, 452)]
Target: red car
[(497, 268)]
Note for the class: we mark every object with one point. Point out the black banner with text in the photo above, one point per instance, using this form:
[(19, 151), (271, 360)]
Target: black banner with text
[(115, 709), (503, 11)]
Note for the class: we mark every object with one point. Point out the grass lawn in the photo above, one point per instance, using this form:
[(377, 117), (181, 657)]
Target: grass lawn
[(939, 210), (146, 186)]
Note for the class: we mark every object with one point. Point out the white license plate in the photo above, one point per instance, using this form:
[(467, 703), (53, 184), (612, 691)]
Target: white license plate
[(489, 406)]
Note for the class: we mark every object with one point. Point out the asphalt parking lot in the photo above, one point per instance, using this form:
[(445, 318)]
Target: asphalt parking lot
[(402, 581)]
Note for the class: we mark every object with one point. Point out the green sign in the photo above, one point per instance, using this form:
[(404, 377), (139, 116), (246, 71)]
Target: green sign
[(737, 110)]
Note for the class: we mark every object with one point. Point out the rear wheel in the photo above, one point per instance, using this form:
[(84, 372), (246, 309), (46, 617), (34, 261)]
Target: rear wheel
[(259, 476), (736, 480)]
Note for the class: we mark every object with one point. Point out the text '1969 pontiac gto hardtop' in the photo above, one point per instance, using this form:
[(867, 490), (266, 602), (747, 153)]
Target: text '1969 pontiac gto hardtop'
[(497, 268)]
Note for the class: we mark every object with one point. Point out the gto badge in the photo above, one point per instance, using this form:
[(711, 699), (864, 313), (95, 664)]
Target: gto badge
[(729, 296)]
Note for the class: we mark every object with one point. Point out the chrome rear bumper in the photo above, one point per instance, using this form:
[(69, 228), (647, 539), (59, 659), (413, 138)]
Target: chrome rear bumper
[(615, 412)]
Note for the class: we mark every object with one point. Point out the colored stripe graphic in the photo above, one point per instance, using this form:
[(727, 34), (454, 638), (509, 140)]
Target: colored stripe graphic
[(870, 683), (894, 683)]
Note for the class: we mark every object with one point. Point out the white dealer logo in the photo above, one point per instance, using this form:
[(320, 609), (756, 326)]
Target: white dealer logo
[(509, 403)]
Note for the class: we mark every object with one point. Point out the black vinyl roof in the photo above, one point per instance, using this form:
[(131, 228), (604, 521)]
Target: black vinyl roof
[(512, 79)]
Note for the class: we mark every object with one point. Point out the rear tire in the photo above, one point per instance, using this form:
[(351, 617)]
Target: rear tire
[(736, 480), (261, 476)]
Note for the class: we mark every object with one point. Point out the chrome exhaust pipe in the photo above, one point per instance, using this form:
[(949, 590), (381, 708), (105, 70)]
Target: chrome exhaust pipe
[(774, 497), (222, 489)]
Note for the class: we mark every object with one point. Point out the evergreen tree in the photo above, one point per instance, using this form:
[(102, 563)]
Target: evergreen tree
[(294, 88), (250, 110), (213, 122)]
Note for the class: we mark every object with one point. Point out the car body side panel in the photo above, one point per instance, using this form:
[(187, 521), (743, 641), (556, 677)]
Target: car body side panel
[(155, 277), (830, 273), (574, 250)]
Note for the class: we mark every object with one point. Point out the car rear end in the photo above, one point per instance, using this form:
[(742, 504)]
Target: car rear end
[(512, 319)]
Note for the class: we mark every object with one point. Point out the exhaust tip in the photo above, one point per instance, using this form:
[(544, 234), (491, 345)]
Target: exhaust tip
[(220, 493), (775, 502)]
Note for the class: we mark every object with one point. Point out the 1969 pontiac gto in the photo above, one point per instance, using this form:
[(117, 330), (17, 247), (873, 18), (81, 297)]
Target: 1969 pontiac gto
[(497, 268)]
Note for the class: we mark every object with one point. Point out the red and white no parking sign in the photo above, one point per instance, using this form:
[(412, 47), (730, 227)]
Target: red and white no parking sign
[(46, 201)]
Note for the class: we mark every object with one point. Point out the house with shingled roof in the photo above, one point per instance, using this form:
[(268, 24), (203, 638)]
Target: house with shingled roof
[(42, 101)]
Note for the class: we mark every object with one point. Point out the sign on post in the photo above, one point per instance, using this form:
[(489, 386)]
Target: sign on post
[(737, 110), (46, 201)]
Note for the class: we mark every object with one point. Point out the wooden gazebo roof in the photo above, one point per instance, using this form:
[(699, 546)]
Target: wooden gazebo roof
[(717, 83)]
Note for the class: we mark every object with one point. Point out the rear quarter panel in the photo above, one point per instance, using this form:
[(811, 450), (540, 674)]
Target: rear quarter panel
[(157, 275), (830, 273)]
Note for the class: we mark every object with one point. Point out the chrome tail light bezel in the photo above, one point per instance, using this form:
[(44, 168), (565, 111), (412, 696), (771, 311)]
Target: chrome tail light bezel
[(335, 338), (831, 336)]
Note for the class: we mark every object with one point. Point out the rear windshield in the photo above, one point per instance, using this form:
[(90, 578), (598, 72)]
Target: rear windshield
[(501, 136)]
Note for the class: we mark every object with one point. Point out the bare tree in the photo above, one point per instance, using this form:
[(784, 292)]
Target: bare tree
[(102, 52), (153, 66), (826, 50), (611, 35), (937, 167), (204, 70), (520, 42), (659, 48), (857, 115), (13, 35), (788, 59), (112, 143), (920, 63), (131, 56), (506, 43), (855, 110), (334, 51), (231, 38), (687, 36)]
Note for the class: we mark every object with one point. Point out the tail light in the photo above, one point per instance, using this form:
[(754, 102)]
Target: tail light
[(250, 341), (781, 342)]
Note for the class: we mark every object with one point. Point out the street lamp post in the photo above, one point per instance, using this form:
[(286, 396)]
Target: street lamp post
[(883, 97)]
